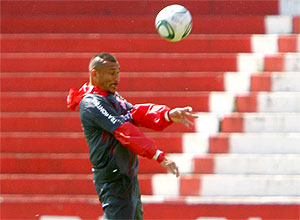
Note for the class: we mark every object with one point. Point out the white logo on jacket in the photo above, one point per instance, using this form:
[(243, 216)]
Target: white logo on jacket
[(104, 112)]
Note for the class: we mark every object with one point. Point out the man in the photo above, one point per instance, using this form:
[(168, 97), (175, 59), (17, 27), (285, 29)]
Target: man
[(110, 127)]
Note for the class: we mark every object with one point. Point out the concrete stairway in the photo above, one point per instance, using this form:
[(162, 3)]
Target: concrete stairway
[(239, 69)]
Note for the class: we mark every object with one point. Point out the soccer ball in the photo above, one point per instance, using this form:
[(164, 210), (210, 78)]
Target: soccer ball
[(173, 23)]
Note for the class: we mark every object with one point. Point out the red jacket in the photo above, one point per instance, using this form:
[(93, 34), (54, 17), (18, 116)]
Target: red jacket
[(151, 116), (145, 115)]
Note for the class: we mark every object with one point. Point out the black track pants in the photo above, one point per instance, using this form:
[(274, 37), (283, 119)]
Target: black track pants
[(121, 199)]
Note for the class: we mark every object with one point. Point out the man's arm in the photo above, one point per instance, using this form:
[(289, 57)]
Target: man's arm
[(131, 137), (158, 117), (103, 115), (150, 116)]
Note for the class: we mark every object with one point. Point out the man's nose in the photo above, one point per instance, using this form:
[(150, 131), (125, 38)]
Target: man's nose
[(117, 78)]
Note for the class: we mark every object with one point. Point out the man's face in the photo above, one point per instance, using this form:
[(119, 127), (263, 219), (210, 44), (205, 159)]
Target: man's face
[(107, 77)]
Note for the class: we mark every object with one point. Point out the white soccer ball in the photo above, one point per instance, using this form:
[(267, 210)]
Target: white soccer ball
[(173, 23)]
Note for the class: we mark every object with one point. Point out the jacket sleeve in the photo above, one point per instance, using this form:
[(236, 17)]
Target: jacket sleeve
[(150, 116), (94, 111), (131, 137)]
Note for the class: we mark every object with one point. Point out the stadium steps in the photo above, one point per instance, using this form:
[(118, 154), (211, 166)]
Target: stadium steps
[(62, 82), (137, 62), (226, 185), (56, 102), (156, 185), (225, 24), (254, 66), (154, 62), (269, 102), (275, 82), (261, 122), (198, 143), (207, 122), (31, 142), (239, 164), (151, 43), (162, 207), (144, 7), (192, 81), (201, 101), (55, 122)]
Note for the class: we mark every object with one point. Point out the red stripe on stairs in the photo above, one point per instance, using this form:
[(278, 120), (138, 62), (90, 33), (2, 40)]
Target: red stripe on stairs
[(247, 103), (261, 82), (232, 123), (219, 144)]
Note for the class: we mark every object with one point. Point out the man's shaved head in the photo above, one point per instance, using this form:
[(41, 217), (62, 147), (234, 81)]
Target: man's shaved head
[(100, 59), (104, 72)]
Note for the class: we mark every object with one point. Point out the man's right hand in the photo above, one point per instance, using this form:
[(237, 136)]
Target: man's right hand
[(182, 115), (171, 166)]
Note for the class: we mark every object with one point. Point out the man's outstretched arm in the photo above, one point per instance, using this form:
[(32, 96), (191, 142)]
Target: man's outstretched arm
[(131, 137), (158, 117)]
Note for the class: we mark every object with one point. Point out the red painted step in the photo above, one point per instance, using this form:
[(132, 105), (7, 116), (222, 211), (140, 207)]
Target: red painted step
[(56, 122), (45, 164), (150, 43), (56, 102), (233, 123), (58, 184), (247, 102), (296, 25), (289, 43), (156, 81), (261, 82), (129, 62), (35, 142), (161, 81), (33, 207), (274, 62), (61, 164), (219, 143), (37, 122), (128, 24), (38, 142), (88, 207), (137, 7), (81, 184)]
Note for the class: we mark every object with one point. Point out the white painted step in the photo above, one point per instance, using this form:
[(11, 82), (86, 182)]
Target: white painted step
[(256, 122), (271, 123), (242, 164), (241, 143), (226, 185), (192, 200), (264, 143), (286, 164), (278, 102), (235, 185), (261, 122), (285, 81)]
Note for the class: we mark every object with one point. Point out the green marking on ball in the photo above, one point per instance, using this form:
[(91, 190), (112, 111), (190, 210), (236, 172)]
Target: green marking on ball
[(165, 30), (187, 31)]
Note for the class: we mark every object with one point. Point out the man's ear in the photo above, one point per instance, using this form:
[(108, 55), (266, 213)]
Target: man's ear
[(93, 72)]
